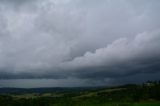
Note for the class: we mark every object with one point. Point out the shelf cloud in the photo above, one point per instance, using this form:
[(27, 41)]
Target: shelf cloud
[(102, 42)]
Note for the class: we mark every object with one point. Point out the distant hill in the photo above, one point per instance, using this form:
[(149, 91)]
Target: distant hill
[(146, 94), (45, 90)]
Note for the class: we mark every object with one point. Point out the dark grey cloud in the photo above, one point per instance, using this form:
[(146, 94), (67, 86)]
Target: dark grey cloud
[(122, 57), (16, 2), (95, 41)]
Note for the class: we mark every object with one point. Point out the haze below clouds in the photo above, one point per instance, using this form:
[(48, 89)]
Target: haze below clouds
[(46, 43)]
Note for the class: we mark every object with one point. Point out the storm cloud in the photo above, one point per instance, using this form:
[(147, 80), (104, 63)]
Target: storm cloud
[(94, 41)]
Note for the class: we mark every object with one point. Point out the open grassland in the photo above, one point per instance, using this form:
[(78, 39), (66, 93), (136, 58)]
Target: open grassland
[(147, 94)]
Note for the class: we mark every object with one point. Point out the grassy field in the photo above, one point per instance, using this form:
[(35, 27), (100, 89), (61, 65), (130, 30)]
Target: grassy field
[(146, 104), (112, 104), (126, 95)]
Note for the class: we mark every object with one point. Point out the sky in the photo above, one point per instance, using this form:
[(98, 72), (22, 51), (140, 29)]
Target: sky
[(71, 43)]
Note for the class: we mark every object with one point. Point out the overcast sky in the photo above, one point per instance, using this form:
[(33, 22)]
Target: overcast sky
[(48, 43)]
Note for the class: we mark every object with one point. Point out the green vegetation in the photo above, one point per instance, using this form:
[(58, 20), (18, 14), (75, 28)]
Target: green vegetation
[(147, 94)]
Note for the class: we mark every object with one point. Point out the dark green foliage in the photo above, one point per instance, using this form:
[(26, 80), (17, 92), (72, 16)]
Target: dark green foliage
[(147, 94)]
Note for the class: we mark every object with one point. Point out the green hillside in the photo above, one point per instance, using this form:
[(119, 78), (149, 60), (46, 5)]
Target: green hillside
[(147, 94)]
